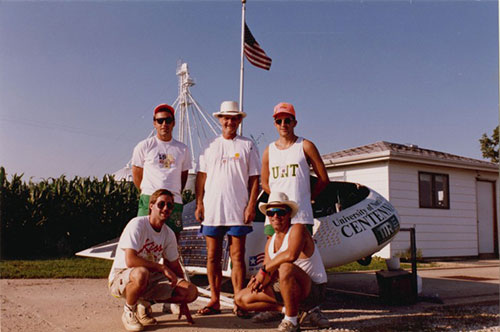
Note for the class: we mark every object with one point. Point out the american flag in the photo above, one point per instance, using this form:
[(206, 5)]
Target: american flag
[(256, 260), (254, 53)]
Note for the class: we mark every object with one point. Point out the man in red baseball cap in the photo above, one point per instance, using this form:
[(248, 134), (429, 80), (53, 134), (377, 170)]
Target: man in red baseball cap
[(286, 164), (161, 162), (286, 167)]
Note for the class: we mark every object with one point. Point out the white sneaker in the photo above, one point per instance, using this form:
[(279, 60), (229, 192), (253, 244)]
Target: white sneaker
[(318, 319), (144, 314), (130, 321), (287, 326)]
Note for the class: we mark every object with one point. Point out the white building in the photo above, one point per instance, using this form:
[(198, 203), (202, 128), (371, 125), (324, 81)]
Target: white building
[(450, 199)]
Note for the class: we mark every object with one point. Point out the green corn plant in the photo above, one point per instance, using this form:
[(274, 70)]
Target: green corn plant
[(56, 217)]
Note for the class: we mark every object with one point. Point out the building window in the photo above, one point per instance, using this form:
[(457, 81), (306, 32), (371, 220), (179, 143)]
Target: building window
[(433, 190)]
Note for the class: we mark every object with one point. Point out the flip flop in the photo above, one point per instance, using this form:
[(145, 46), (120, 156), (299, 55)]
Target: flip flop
[(208, 311), (240, 313)]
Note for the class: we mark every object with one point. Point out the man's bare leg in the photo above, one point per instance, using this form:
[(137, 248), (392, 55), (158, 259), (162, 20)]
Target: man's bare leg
[(237, 253), (295, 285), (214, 269), (139, 277), (261, 301)]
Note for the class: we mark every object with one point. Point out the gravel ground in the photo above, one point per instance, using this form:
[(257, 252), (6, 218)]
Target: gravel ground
[(84, 305)]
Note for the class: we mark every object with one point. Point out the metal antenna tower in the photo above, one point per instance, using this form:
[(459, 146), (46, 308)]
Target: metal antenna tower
[(194, 125)]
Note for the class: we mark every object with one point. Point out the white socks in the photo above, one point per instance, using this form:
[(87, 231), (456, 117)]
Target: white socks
[(130, 308), (293, 319)]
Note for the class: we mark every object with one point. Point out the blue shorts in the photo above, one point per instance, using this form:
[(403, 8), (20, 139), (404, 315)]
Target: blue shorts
[(217, 231)]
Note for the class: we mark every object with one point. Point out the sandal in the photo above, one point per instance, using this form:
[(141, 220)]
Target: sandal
[(240, 313), (208, 311)]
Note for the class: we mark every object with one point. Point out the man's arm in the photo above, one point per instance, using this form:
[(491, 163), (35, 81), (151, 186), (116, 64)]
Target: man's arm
[(175, 266), (137, 176), (314, 158), (253, 185), (261, 280), (295, 247), (264, 172), (184, 177), (201, 178), (134, 260)]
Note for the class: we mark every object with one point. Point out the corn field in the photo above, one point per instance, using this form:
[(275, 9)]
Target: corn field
[(58, 217)]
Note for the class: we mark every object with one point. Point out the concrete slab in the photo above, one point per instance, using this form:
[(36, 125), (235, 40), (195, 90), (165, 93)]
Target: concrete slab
[(455, 283)]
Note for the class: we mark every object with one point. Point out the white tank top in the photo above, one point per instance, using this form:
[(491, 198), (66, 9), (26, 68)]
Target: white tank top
[(313, 265), (289, 173)]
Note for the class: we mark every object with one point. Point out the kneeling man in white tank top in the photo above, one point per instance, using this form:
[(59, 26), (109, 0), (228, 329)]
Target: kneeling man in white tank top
[(293, 277)]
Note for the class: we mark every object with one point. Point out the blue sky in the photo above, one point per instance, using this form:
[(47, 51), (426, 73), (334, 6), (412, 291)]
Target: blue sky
[(79, 80)]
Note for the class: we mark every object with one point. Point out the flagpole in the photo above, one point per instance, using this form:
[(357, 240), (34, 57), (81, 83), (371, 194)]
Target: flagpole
[(243, 2)]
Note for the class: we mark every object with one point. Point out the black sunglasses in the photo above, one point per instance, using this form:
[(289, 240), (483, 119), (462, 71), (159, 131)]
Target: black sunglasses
[(162, 204), (286, 121), (167, 120), (280, 212)]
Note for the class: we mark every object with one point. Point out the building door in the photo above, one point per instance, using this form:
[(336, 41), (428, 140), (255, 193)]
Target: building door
[(486, 219)]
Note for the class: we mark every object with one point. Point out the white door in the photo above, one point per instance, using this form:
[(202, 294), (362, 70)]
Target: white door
[(485, 217)]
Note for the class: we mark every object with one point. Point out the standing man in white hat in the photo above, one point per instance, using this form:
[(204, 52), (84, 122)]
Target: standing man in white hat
[(226, 193), (293, 276), (286, 167)]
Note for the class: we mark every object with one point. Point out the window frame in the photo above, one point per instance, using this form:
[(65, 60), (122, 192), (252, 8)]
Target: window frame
[(434, 200)]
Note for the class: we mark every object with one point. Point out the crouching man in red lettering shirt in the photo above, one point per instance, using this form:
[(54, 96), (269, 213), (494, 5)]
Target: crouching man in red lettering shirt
[(137, 274)]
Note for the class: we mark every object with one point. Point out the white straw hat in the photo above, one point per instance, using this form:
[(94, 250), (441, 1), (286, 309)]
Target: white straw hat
[(230, 108), (279, 198)]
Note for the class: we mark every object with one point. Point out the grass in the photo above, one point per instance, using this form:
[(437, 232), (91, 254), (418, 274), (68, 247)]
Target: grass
[(78, 267), (377, 263), (55, 268)]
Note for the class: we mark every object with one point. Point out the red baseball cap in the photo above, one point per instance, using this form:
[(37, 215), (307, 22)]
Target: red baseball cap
[(284, 108), (164, 108)]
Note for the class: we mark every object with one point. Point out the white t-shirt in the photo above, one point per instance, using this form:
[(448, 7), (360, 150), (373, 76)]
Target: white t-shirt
[(289, 173), (163, 163), (228, 164), (149, 244)]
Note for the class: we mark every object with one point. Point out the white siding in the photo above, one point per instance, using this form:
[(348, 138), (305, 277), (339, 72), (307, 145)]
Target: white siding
[(373, 175), (439, 232)]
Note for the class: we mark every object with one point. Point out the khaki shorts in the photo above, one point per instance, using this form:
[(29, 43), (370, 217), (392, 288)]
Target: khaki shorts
[(316, 296), (159, 288)]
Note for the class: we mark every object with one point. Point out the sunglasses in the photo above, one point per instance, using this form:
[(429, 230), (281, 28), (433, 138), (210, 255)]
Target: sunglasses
[(280, 212), (286, 121), (162, 204), (168, 120)]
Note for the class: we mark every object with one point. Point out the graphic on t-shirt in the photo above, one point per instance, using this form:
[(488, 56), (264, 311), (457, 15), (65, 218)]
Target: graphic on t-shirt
[(166, 160), (151, 251), (226, 159), (284, 171)]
